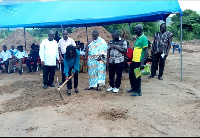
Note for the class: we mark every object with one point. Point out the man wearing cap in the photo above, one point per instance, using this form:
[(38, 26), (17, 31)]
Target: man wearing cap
[(139, 54), (160, 49)]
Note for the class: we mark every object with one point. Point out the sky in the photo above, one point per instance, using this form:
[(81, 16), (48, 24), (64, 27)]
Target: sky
[(190, 4)]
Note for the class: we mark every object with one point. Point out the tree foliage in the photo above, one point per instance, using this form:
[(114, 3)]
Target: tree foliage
[(126, 30), (4, 33), (190, 25)]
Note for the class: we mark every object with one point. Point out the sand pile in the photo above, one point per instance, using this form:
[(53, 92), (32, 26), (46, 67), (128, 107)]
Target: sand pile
[(80, 34), (17, 38)]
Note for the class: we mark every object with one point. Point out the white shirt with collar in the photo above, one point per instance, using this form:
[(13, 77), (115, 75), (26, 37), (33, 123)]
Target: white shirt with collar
[(22, 54), (5, 55), (63, 44), (49, 52)]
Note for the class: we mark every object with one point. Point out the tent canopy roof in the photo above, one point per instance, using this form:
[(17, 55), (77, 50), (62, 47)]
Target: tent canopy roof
[(53, 14)]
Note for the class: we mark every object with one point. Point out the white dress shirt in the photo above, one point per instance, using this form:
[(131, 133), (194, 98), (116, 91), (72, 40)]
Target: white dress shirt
[(5, 55), (49, 52), (22, 54), (63, 44)]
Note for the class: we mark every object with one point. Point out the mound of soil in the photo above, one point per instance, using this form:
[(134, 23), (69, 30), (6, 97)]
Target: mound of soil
[(17, 38), (80, 34), (113, 114)]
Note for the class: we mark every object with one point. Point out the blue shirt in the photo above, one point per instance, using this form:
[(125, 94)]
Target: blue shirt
[(71, 63)]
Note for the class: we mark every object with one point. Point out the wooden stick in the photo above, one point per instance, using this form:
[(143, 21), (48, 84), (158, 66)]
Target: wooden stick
[(64, 83)]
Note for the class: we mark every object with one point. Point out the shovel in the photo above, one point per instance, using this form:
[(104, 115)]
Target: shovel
[(59, 88), (61, 97)]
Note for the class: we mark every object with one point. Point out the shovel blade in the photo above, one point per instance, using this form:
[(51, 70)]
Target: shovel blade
[(61, 97)]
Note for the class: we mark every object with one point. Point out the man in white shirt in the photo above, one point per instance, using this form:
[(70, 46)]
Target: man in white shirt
[(48, 55), (18, 58), (62, 45), (5, 55)]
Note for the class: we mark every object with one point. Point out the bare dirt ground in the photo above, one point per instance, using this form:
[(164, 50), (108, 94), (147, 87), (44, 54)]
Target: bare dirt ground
[(168, 108)]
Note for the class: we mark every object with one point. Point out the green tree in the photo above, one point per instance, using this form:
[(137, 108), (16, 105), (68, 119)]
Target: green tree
[(191, 27), (5, 33)]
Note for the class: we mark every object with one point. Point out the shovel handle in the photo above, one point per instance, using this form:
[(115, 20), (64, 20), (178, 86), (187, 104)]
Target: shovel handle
[(65, 82)]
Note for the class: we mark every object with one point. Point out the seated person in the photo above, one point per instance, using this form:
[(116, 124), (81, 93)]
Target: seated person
[(13, 50), (175, 46), (5, 55), (18, 58), (128, 57), (33, 57)]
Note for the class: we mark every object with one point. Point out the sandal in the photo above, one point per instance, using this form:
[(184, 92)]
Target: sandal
[(88, 88), (98, 89)]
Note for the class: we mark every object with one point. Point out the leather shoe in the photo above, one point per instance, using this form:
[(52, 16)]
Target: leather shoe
[(69, 92), (160, 78), (136, 94), (150, 77), (29, 71), (52, 85), (20, 72), (130, 90), (76, 90), (45, 86), (10, 72)]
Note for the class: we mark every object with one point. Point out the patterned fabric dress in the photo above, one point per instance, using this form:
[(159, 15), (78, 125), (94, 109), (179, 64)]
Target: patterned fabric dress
[(97, 69)]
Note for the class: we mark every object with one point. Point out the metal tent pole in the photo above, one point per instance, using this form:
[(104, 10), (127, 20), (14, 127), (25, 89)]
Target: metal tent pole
[(25, 38), (181, 49), (87, 34), (62, 28)]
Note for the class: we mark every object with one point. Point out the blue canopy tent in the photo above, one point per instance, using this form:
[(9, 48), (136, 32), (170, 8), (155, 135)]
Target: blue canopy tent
[(56, 14), (52, 14)]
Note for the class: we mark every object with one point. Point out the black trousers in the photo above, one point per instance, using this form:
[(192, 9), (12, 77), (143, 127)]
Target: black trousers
[(135, 83), (6, 63), (28, 61), (115, 68), (48, 74), (62, 70), (69, 83), (157, 60)]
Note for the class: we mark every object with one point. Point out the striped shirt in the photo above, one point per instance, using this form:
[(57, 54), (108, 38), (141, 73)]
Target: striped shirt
[(115, 55), (161, 43)]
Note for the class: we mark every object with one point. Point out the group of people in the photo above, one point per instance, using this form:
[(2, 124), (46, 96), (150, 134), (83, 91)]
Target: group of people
[(9, 58), (99, 54)]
